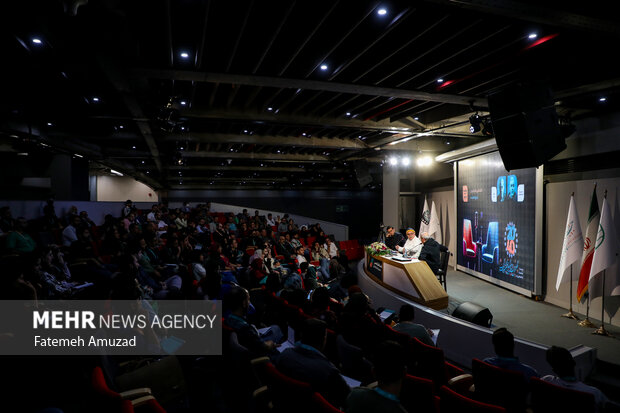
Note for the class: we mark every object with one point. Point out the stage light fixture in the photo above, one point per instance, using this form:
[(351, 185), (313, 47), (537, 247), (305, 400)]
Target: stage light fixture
[(405, 161), (393, 161), (487, 127), (475, 120)]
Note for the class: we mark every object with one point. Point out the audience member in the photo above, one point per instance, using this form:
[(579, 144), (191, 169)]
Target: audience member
[(389, 369), (504, 344), (306, 362), (407, 326), (563, 365)]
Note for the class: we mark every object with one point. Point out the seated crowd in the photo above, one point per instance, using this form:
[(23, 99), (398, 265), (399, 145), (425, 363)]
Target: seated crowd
[(273, 277)]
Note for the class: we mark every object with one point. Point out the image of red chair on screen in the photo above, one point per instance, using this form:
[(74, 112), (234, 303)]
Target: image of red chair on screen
[(469, 246)]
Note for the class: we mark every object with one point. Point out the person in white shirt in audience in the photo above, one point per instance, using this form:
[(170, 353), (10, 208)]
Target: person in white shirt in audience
[(331, 248), (151, 216), (270, 220), (412, 246), (563, 365), (69, 234)]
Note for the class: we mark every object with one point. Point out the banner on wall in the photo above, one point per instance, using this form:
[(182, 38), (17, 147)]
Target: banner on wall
[(496, 213)]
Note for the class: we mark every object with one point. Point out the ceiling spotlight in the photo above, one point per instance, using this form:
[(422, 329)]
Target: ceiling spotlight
[(382, 12), (184, 55), (133, 147), (416, 118), (348, 113), (95, 99), (447, 142), (532, 36), (120, 126), (393, 161), (487, 127), (323, 67), (269, 108), (113, 172), (183, 102), (440, 80), (49, 123), (603, 99), (405, 161), (425, 161), (475, 121), (36, 40)]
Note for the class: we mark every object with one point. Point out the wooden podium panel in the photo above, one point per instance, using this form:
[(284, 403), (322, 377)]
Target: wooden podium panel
[(413, 280)]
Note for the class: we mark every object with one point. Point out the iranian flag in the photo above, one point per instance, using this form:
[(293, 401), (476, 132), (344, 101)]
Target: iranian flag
[(588, 246)]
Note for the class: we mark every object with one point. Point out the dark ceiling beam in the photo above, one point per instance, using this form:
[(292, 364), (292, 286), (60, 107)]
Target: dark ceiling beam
[(537, 13), (121, 85), (234, 50), (257, 90), (284, 119), (265, 156), (284, 83), (323, 168), (297, 141)]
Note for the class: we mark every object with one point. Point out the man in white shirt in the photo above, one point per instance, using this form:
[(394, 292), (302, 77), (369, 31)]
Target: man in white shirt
[(270, 220), (331, 248), (563, 365), (69, 234), (412, 246), (151, 217)]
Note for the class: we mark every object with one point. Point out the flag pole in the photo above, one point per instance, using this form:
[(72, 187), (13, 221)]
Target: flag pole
[(570, 313), (601, 330), (587, 322)]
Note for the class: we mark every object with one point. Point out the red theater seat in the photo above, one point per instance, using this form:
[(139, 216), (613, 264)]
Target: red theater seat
[(429, 362), (452, 402), (548, 397), (506, 388), (320, 405)]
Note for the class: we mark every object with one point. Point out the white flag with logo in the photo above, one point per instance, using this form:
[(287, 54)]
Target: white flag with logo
[(434, 229), (426, 218), (605, 252), (572, 248)]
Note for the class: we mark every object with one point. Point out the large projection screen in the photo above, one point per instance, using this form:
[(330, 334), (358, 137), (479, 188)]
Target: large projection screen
[(499, 223)]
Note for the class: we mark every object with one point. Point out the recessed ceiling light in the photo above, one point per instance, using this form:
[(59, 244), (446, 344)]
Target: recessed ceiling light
[(348, 113), (603, 99), (133, 147), (393, 161), (147, 172), (121, 127), (323, 67), (270, 108), (382, 12), (184, 55), (49, 123), (532, 36), (416, 118), (183, 103), (245, 131), (440, 80), (36, 40), (142, 162), (405, 161)]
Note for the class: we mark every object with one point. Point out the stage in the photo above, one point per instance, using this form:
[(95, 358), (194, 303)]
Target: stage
[(535, 324), (529, 319)]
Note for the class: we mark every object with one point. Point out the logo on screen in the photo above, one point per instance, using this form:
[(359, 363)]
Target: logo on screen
[(465, 194), (511, 239)]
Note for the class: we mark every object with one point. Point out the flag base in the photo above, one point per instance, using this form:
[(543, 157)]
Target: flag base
[(602, 332), (571, 315), (586, 323)]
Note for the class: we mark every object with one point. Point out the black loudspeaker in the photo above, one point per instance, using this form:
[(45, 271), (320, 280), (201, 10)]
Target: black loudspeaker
[(473, 313), (525, 125)]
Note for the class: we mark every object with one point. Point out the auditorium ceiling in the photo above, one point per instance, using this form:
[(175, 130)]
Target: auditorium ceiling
[(285, 94)]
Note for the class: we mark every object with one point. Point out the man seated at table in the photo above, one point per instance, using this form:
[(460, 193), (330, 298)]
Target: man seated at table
[(412, 246), (393, 238), (431, 251)]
